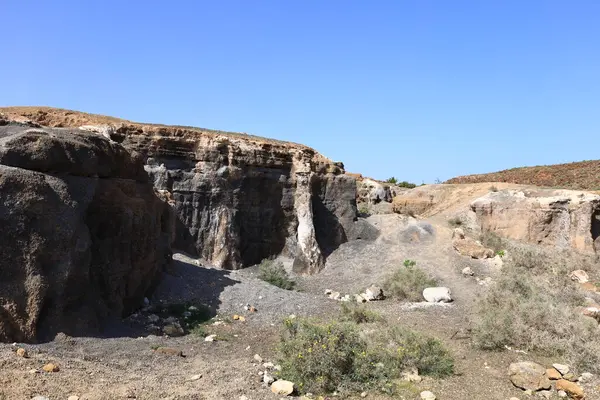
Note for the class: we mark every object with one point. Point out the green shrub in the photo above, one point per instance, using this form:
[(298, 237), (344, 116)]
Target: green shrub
[(391, 180), (407, 185), (408, 282), (273, 272), (532, 307), (409, 263), (492, 241), (455, 222), (358, 313), (322, 358)]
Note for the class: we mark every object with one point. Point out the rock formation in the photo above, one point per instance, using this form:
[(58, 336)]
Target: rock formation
[(84, 236), (560, 218), (238, 198)]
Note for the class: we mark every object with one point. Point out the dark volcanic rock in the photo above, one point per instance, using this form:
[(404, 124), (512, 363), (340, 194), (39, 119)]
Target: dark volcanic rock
[(238, 198), (84, 236)]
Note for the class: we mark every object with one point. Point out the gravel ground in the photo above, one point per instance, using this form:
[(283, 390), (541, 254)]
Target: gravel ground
[(123, 364)]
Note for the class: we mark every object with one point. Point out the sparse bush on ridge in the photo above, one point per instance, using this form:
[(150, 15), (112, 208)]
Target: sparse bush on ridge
[(358, 313), (408, 282), (532, 307), (273, 272), (326, 357), (455, 222)]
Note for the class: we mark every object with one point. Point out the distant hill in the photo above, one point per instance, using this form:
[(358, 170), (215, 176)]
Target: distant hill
[(583, 175)]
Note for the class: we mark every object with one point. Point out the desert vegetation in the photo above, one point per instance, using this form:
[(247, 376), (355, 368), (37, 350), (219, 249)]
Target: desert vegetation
[(273, 272), (533, 307), (341, 356), (408, 281)]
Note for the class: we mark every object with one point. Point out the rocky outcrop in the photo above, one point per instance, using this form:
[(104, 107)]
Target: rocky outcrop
[(84, 236), (559, 218), (238, 198)]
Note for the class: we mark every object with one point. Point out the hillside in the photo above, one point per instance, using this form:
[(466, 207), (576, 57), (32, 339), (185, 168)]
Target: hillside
[(583, 175)]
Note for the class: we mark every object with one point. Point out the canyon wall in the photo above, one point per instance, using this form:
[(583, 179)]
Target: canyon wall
[(84, 235), (238, 198)]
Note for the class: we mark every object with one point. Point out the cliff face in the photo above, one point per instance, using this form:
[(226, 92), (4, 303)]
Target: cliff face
[(559, 218), (84, 236), (241, 200), (237, 198)]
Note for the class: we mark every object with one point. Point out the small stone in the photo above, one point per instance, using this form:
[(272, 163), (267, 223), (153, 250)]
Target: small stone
[(334, 295), (21, 352), (173, 330), (437, 295), (363, 394), (282, 387), (243, 398), (34, 371), (210, 338), (73, 397), (458, 233), (580, 276), (373, 293), (252, 309), (194, 377), (360, 298), (242, 319), (146, 301), (51, 367), (427, 395), (169, 351), (562, 368), (467, 271), (553, 374), (528, 375), (186, 314), (514, 398), (345, 298), (258, 358), (572, 389), (268, 379), (268, 365), (328, 291), (411, 375), (586, 377), (153, 318), (236, 317), (562, 393), (40, 398)]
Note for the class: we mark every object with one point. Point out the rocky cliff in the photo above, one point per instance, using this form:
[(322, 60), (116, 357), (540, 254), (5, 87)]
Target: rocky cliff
[(84, 236), (559, 218), (238, 198)]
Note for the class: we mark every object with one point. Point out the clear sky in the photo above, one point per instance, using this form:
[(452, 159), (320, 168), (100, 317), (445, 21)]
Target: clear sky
[(421, 90)]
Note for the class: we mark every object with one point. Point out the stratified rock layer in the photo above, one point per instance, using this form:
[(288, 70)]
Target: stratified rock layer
[(84, 236), (238, 198), (560, 218)]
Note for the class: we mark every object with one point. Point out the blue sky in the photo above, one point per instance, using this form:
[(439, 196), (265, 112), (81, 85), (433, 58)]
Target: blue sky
[(421, 90)]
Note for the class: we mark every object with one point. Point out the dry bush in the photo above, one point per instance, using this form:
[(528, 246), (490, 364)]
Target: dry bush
[(532, 307), (337, 356), (408, 282), (358, 313), (273, 272)]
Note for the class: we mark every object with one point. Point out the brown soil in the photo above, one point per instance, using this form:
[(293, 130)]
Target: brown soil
[(584, 175), (61, 118)]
